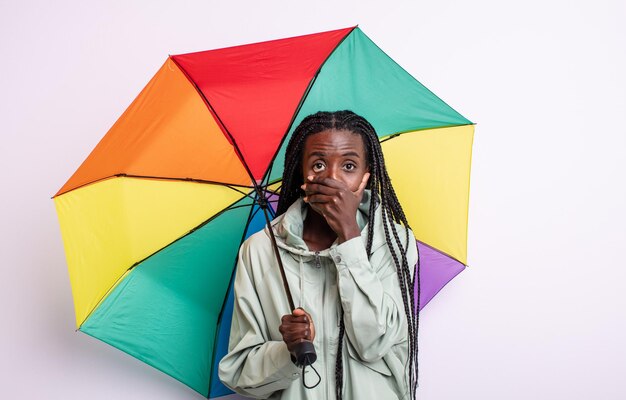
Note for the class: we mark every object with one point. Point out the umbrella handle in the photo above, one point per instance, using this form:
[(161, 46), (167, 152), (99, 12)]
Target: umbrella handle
[(305, 356), (304, 352)]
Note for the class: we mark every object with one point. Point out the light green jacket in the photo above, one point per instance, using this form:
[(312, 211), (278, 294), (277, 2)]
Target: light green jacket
[(375, 348)]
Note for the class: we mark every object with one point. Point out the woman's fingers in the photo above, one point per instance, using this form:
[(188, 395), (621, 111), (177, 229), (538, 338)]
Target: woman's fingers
[(330, 182), (326, 186), (295, 332), (320, 198), (291, 319), (296, 328), (300, 311), (363, 185), (318, 188), (337, 203)]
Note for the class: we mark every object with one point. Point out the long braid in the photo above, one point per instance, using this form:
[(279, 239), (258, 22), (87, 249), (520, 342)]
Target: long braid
[(383, 194), (392, 211), (339, 360)]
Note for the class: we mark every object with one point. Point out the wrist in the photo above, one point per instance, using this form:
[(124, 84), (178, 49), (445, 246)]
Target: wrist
[(348, 234)]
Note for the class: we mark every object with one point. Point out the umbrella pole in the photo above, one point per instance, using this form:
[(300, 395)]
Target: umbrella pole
[(263, 205), (304, 351)]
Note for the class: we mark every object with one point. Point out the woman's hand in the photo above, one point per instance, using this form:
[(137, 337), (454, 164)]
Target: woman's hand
[(296, 328), (338, 204)]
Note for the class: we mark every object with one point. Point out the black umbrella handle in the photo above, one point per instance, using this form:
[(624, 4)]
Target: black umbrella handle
[(304, 352)]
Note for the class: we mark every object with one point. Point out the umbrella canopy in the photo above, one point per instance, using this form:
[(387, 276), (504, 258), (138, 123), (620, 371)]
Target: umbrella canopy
[(153, 218)]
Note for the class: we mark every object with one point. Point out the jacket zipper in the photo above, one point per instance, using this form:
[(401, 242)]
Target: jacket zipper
[(325, 327)]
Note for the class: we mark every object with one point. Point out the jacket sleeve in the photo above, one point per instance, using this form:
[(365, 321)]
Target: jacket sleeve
[(255, 366), (374, 313)]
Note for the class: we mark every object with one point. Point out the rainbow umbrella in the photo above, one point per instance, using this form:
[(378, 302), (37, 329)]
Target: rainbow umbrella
[(153, 218)]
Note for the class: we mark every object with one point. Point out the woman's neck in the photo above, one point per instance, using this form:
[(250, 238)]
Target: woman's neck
[(316, 232)]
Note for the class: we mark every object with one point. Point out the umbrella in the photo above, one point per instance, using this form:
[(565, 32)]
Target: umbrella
[(153, 218)]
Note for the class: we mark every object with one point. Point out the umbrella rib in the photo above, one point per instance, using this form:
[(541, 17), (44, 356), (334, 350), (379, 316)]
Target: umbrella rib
[(280, 145), (301, 103), (442, 252), (219, 121), (229, 185), (414, 78), (395, 135), (166, 178), (105, 295), (236, 207)]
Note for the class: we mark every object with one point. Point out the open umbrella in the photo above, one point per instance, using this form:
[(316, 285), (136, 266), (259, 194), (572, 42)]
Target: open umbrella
[(153, 218)]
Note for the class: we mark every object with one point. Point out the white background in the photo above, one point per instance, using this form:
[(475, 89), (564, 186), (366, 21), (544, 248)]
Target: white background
[(540, 313)]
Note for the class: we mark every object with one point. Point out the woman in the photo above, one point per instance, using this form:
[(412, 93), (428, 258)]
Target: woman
[(348, 262)]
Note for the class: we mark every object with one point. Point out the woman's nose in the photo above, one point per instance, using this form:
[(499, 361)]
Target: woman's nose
[(331, 172)]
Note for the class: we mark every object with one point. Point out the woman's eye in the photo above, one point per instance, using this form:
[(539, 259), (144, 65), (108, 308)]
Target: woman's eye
[(318, 166), (350, 167)]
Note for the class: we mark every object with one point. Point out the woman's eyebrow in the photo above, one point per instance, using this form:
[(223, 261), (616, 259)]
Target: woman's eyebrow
[(322, 154)]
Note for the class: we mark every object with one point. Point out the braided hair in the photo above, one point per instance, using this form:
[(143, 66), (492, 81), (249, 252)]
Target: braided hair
[(382, 193)]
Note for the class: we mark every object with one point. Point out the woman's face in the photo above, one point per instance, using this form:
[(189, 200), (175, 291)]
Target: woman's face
[(336, 154)]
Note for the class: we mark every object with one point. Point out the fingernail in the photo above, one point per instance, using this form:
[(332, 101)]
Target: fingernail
[(310, 177), (305, 199)]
